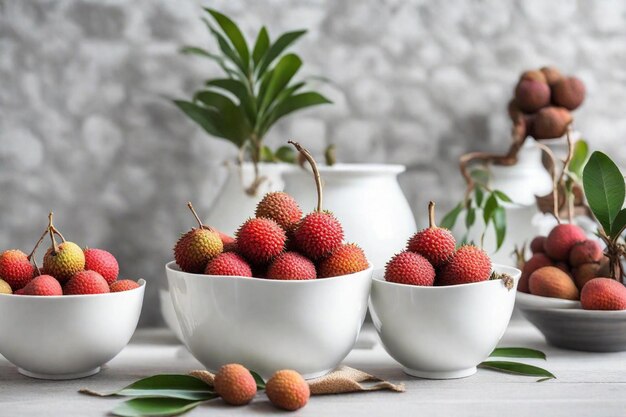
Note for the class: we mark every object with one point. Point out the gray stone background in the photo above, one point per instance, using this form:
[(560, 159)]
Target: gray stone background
[(86, 130)]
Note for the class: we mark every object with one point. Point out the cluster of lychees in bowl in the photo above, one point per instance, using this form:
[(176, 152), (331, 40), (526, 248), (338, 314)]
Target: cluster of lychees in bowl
[(287, 291), (65, 319), (441, 310)]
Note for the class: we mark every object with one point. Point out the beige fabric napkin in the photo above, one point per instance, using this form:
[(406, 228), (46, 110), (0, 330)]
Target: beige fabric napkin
[(340, 381)]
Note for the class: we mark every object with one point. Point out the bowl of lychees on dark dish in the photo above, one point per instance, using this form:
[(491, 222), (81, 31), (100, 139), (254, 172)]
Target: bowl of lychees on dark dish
[(287, 292), (67, 316), (439, 309)]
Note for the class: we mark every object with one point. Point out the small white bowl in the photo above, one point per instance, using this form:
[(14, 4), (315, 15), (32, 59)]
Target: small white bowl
[(267, 325), (69, 336), (442, 332)]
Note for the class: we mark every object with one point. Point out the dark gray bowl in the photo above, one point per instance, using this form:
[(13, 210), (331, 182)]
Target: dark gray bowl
[(566, 325)]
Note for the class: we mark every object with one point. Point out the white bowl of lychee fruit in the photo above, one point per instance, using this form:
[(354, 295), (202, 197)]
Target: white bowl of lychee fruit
[(566, 293), (67, 319), (440, 311)]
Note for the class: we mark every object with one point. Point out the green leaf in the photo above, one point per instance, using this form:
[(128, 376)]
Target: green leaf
[(286, 154), (481, 176), (161, 407), (502, 196), (283, 72), (470, 217), (294, 103), (200, 115), (277, 48), (449, 220), (260, 383), (517, 352), (232, 120), (618, 224), (499, 223), (479, 194), (226, 48), (579, 157), (490, 205), (192, 50), (239, 90), (517, 368), (184, 387), (235, 36), (261, 45), (604, 188), (267, 155)]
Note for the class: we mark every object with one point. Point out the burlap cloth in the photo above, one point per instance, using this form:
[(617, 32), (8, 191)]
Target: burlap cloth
[(342, 380)]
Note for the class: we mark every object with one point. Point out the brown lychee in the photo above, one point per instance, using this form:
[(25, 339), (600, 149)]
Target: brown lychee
[(585, 273), (550, 281), (569, 92), (536, 245), (551, 122), (531, 95), (585, 252), (434, 243), (561, 239), (603, 294), (538, 260)]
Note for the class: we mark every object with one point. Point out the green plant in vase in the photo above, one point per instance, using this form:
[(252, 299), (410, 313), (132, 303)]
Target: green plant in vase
[(258, 88)]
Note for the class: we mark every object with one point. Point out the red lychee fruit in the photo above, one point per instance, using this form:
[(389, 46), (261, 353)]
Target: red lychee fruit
[(15, 268), (569, 92), (585, 252), (531, 95), (280, 207), (434, 243), (287, 389), (469, 264), (551, 122), (534, 75), (561, 239), (102, 262), (86, 282), (347, 259), (550, 281), (228, 263), (537, 261), (261, 240), (197, 247), (552, 75), (123, 285), (43, 285), (235, 384), (537, 244), (603, 294), (291, 266), (410, 268)]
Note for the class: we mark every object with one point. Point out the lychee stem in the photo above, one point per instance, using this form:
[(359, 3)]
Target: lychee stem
[(200, 225), (318, 180), (431, 215), (32, 252), (55, 248)]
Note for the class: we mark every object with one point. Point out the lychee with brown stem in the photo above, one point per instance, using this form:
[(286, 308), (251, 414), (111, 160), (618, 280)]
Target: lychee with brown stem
[(260, 240), (197, 247), (585, 252), (347, 259), (15, 268), (551, 122), (550, 281), (561, 239), (410, 268), (291, 266), (569, 92), (280, 207), (434, 243), (62, 260), (469, 264), (319, 233), (531, 95), (228, 263)]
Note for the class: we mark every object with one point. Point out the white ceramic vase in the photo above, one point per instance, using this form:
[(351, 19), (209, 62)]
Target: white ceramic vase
[(367, 200)]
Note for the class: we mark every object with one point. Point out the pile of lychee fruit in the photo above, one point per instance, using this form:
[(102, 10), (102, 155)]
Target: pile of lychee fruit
[(278, 243), (431, 258), (566, 264), (67, 270), (286, 389), (543, 101)]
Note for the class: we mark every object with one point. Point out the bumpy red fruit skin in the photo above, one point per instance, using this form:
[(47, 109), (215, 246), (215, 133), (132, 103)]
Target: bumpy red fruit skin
[(585, 252), (435, 244), (123, 285), (86, 282), (235, 384), (411, 269), (469, 264), (196, 248), (102, 262), (260, 240), (15, 268), (280, 207), (291, 266), (536, 245), (561, 239), (347, 259), (68, 260), (537, 261), (228, 263), (287, 389), (603, 294), (318, 235), (550, 281), (43, 285)]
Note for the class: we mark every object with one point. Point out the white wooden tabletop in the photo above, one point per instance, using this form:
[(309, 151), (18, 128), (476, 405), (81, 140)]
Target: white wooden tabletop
[(588, 384)]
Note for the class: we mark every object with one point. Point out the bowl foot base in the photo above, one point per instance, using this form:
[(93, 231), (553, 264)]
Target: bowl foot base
[(462, 373), (76, 375)]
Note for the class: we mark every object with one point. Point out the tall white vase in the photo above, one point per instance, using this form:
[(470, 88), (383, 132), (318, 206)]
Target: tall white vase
[(233, 206), (367, 200)]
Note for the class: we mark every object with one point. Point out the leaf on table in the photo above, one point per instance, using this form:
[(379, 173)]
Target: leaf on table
[(171, 386), (517, 352), (161, 407), (517, 368), (260, 383), (604, 188)]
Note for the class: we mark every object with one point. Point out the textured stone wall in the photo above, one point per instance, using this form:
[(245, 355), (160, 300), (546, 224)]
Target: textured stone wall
[(85, 128)]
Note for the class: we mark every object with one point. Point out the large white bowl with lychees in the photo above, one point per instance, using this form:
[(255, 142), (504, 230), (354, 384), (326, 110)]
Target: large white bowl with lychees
[(267, 325), (67, 336)]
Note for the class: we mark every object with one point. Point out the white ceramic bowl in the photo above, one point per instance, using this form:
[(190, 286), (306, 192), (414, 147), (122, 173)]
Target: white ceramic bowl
[(442, 332), (267, 325), (69, 336)]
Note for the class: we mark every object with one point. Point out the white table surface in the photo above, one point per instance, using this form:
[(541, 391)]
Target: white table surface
[(588, 385)]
